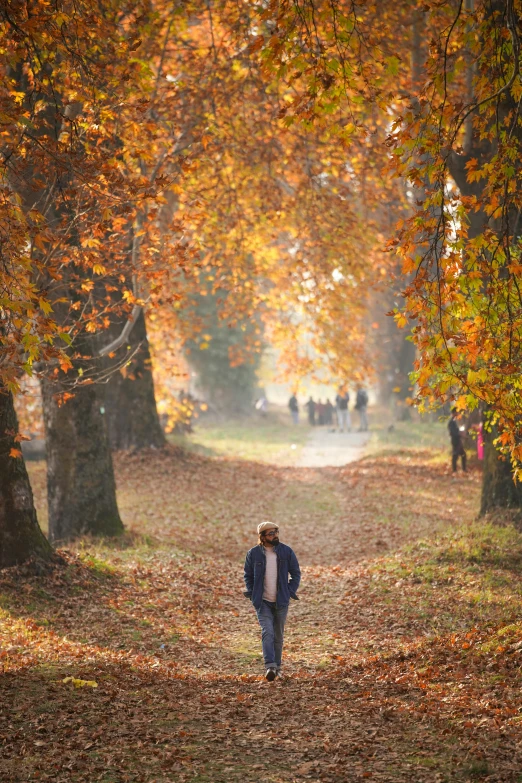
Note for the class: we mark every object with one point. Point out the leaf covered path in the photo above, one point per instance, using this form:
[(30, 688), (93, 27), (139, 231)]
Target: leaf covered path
[(401, 656)]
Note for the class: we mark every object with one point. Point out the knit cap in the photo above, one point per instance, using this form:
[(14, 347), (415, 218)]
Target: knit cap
[(265, 526)]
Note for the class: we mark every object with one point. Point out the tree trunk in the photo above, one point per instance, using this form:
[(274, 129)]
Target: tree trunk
[(498, 485), (20, 534), (80, 477), (405, 366), (499, 489), (130, 404)]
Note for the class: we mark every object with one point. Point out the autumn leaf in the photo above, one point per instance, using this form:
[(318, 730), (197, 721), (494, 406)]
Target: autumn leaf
[(78, 683)]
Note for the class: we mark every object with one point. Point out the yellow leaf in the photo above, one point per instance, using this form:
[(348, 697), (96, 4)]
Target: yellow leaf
[(45, 306), (15, 453), (80, 683), (461, 403)]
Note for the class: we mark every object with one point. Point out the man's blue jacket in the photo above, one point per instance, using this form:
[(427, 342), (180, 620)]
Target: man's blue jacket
[(288, 575)]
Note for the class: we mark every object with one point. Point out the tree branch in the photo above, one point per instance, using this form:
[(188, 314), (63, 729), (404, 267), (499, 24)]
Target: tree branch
[(124, 335)]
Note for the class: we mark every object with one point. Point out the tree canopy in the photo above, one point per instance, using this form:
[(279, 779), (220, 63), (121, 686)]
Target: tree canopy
[(271, 154)]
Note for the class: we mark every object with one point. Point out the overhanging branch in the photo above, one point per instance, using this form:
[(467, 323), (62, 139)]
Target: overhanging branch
[(125, 333)]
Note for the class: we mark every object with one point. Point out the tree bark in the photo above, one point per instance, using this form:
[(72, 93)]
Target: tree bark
[(80, 476), (20, 535), (405, 366), (499, 489), (130, 404)]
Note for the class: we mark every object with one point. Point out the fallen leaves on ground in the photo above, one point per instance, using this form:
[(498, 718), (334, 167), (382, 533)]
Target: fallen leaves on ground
[(403, 654)]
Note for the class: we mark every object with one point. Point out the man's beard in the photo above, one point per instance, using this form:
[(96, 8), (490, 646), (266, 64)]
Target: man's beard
[(275, 540)]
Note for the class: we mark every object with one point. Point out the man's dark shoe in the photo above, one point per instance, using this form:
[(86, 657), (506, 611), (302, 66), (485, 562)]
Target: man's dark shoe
[(271, 674)]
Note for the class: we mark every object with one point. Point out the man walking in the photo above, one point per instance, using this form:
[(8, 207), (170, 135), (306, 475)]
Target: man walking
[(272, 577)]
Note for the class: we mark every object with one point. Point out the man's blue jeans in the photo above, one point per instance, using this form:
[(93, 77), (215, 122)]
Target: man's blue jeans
[(272, 621)]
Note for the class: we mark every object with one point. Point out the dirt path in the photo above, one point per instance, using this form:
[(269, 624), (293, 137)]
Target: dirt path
[(378, 655), (332, 449)]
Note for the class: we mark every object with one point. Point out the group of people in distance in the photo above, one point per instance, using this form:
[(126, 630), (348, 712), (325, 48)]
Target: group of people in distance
[(325, 414)]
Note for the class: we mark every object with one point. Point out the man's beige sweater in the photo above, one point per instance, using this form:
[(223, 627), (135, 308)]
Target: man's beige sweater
[(270, 585)]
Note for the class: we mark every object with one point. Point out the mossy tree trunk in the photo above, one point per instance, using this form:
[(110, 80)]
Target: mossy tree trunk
[(80, 476), (129, 399), (20, 535)]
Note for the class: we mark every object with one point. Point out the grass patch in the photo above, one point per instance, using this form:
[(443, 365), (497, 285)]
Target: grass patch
[(457, 581), (477, 769), (99, 567), (273, 440), (419, 433)]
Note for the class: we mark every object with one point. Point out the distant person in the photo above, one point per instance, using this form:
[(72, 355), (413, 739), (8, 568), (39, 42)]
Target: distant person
[(321, 410), (329, 412), (478, 427), (261, 405), (344, 422), (311, 411), (480, 441), (294, 408), (457, 447), (361, 406)]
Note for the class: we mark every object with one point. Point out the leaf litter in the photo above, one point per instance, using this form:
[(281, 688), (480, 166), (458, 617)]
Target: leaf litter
[(403, 655)]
